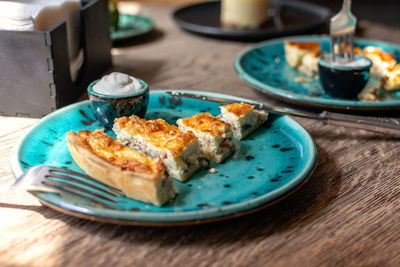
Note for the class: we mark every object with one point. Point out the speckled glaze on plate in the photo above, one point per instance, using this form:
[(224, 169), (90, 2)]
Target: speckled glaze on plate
[(274, 160), (132, 26), (264, 68)]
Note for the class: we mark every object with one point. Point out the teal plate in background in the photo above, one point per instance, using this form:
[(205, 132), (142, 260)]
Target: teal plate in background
[(264, 68), (132, 26), (273, 161)]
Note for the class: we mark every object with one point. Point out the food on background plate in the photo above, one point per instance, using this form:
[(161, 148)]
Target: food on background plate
[(302, 79), (242, 118), (380, 60), (303, 56), (309, 63), (244, 13), (391, 78), (136, 175), (372, 91), (214, 135), (179, 151), (356, 50), (295, 51)]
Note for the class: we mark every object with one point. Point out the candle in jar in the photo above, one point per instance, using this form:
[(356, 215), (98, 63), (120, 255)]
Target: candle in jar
[(244, 13)]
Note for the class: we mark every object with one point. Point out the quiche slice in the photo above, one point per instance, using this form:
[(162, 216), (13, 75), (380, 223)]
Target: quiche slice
[(295, 51), (309, 63), (139, 177), (243, 118), (380, 60), (215, 136), (179, 151), (391, 78)]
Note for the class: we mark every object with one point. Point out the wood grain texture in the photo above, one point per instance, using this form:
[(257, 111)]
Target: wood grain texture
[(347, 214)]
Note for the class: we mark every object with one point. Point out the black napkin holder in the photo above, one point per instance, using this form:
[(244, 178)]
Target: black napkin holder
[(34, 65)]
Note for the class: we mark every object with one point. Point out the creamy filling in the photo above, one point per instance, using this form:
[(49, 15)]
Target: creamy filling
[(180, 167)]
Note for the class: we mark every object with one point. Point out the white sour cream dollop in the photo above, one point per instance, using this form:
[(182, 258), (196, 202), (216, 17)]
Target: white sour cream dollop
[(117, 84), (358, 62)]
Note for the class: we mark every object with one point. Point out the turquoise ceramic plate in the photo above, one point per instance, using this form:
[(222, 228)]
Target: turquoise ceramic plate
[(132, 26), (274, 160), (264, 67)]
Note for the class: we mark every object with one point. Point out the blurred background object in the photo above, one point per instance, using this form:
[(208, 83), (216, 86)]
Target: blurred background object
[(244, 14), (37, 15), (287, 18), (127, 22), (384, 11), (114, 14), (36, 69)]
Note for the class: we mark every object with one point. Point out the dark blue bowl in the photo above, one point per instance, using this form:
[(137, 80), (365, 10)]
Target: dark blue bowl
[(342, 80), (106, 108)]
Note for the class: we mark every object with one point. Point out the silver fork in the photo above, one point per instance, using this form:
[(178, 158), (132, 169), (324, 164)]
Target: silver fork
[(342, 29), (65, 181)]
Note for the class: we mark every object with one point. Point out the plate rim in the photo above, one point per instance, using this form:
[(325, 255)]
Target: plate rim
[(179, 217), (292, 97), (218, 32), (139, 33)]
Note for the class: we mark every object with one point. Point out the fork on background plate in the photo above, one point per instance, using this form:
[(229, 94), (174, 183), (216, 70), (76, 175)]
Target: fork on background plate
[(68, 182), (342, 29)]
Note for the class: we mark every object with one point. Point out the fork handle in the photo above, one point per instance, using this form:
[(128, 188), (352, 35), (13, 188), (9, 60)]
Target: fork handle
[(346, 5), (376, 124)]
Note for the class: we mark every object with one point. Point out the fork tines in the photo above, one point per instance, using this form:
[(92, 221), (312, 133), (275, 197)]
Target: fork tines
[(76, 177), (342, 29), (65, 181), (342, 47), (80, 185)]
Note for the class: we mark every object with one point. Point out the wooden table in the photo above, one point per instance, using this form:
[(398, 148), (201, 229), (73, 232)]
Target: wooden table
[(348, 213)]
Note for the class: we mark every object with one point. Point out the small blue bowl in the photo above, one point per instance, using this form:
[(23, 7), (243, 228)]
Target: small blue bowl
[(106, 108), (343, 81)]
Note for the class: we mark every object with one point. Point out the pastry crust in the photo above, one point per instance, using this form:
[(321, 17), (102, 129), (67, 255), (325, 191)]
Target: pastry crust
[(215, 136), (179, 151), (139, 177), (242, 118)]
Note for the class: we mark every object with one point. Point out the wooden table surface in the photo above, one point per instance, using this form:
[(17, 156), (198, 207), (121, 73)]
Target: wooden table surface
[(347, 214)]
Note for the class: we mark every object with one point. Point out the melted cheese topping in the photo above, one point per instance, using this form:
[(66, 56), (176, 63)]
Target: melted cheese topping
[(117, 154), (317, 54), (301, 79), (157, 132), (377, 51), (391, 78), (239, 109), (357, 51), (314, 46), (395, 68), (207, 123)]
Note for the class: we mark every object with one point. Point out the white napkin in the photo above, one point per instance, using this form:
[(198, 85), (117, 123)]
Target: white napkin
[(43, 15)]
